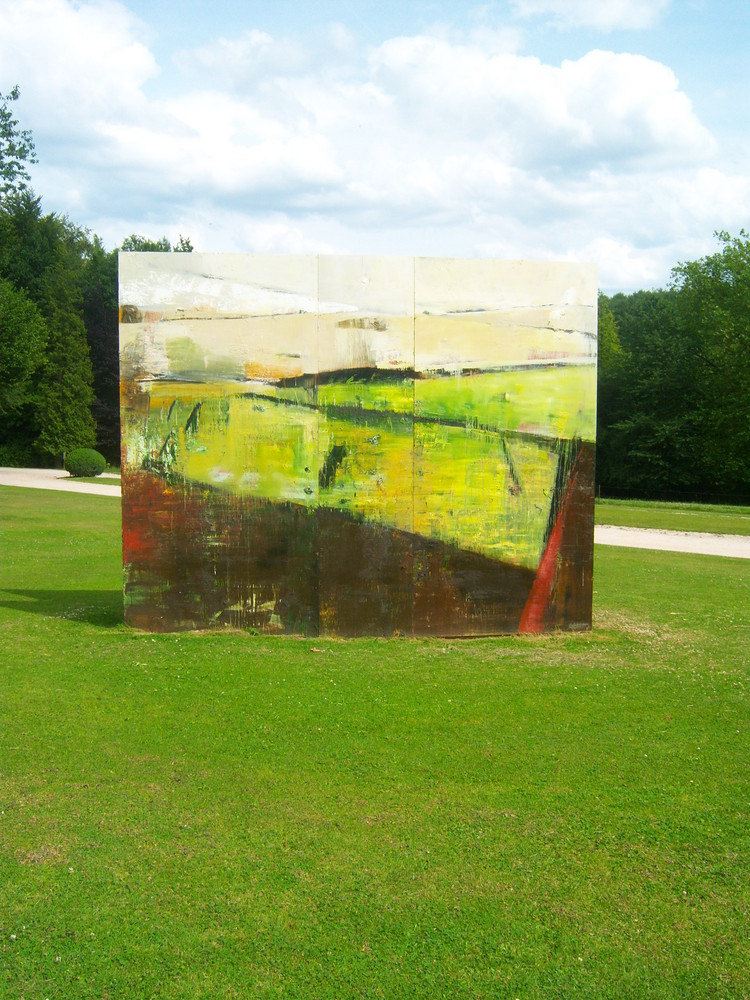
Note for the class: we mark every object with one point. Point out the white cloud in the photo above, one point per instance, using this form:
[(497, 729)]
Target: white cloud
[(239, 62), (77, 64), (605, 15), (632, 268), (218, 144), (600, 107), (423, 144)]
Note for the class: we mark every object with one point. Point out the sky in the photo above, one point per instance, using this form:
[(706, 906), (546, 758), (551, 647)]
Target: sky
[(608, 131)]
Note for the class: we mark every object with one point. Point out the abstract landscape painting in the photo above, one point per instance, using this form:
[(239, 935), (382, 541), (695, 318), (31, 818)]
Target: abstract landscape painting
[(357, 445)]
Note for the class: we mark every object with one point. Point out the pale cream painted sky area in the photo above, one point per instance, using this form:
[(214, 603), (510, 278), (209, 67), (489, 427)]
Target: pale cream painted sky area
[(288, 314)]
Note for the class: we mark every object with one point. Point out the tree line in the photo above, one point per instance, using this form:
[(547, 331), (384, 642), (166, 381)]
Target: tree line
[(673, 376), (674, 382)]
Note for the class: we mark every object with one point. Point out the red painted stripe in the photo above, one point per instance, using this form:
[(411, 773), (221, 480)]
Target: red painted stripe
[(537, 603)]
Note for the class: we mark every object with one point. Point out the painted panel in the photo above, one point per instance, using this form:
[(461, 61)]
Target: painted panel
[(505, 353), (357, 445), (220, 440), (366, 402)]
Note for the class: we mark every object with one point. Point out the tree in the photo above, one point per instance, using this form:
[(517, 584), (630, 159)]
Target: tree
[(649, 426), (16, 148), (23, 338), (41, 256), (611, 360), (610, 353), (714, 299), (65, 391), (144, 244), (99, 301)]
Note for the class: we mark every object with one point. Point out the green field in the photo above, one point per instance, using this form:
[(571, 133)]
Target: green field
[(473, 486), (216, 815), (721, 520), (554, 402)]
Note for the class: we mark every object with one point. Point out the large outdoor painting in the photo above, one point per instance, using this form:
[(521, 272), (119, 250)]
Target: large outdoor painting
[(357, 445)]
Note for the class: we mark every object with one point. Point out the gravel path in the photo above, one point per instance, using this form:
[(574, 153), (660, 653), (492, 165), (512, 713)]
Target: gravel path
[(56, 479), (701, 542), (733, 546)]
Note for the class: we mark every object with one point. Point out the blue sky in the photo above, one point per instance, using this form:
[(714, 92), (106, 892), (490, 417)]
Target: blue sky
[(615, 131)]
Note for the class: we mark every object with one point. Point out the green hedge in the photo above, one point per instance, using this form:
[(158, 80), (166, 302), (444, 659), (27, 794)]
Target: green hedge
[(20, 455), (85, 462)]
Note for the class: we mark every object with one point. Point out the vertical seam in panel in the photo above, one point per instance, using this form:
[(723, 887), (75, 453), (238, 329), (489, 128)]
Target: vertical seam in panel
[(413, 385), (316, 512), (412, 565)]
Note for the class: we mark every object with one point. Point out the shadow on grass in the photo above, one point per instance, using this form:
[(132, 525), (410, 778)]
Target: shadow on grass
[(96, 607)]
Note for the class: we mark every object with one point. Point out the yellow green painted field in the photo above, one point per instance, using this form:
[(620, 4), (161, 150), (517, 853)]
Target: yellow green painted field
[(557, 402), (451, 474)]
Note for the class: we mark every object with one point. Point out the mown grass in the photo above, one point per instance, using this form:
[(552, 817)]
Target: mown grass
[(226, 815), (109, 480), (719, 519)]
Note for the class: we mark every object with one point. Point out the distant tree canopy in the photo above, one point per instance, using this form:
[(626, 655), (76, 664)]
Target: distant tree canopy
[(23, 340), (144, 244), (100, 313), (41, 259), (714, 297), (16, 148), (674, 394), (45, 375)]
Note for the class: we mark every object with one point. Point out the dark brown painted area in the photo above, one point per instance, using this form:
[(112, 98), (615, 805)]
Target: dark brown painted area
[(365, 577), (199, 558), (196, 558), (569, 604)]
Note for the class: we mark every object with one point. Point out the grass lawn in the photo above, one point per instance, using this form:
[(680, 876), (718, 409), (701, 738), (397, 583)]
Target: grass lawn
[(722, 520), (109, 480), (222, 815)]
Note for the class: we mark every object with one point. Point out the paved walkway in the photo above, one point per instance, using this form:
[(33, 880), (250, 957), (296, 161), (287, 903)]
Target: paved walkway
[(56, 479), (733, 546), (701, 542)]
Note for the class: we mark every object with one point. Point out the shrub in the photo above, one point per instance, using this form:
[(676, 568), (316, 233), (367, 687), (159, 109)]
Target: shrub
[(85, 462), (20, 455)]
